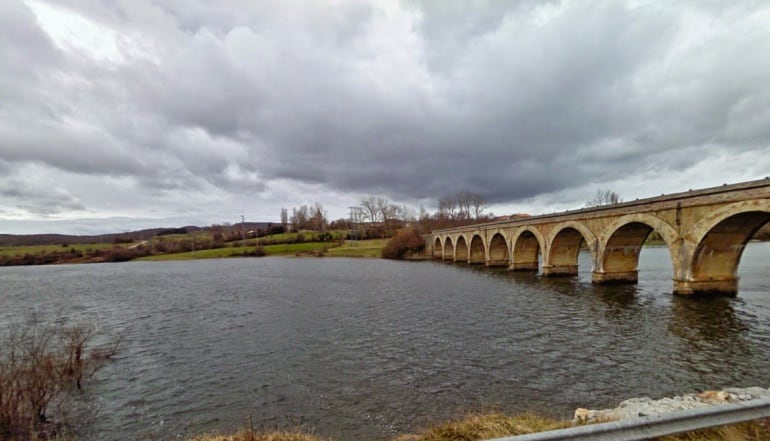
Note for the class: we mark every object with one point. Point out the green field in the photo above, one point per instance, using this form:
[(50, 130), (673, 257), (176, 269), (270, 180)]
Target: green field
[(294, 248), (362, 248), (43, 249), (308, 236), (359, 248), (287, 245)]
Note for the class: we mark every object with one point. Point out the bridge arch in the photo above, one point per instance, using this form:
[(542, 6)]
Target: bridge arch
[(716, 244), (449, 249), (527, 244), (498, 250), (564, 244), (620, 244), (477, 254), (461, 249), (437, 248)]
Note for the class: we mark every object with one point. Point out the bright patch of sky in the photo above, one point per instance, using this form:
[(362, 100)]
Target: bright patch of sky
[(74, 32)]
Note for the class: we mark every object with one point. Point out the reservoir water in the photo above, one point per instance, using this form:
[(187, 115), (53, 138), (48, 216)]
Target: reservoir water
[(358, 349)]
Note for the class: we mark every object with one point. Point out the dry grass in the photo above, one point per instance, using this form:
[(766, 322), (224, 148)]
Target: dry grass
[(475, 427), (248, 435)]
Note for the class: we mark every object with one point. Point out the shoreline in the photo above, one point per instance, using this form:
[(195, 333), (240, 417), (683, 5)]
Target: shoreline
[(53, 255), (646, 406), (478, 427)]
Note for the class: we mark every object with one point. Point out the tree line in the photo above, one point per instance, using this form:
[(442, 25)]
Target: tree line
[(381, 214), (380, 217)]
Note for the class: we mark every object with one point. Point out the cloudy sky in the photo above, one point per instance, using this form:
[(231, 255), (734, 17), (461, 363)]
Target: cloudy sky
[(117, 115)]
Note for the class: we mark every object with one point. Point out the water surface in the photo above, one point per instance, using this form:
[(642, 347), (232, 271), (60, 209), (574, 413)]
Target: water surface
[(364, 349)]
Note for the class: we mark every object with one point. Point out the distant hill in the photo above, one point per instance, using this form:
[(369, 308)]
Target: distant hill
[(11, 240), (54, 239)]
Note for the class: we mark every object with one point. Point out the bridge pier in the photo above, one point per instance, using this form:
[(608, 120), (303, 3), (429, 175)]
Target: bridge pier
[(713, 285), (499, 262), (560, 270), (615, 277), (524, 266)]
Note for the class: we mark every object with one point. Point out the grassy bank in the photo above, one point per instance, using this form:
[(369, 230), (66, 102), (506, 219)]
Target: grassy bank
[(42, 249), (361, 248), (478, 427)]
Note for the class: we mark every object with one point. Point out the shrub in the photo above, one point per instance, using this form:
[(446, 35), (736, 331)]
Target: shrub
[(119, 254), (39, 364), (405, 241), (325, 237), (258, 251)]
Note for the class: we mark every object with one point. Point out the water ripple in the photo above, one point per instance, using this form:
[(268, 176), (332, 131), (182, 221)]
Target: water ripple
[(364, 349)]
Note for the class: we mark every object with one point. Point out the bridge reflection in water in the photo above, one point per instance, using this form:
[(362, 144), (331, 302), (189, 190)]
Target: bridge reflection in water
[(705, 232)]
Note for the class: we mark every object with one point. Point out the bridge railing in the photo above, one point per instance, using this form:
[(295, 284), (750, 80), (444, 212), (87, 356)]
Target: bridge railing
[(643, 428)]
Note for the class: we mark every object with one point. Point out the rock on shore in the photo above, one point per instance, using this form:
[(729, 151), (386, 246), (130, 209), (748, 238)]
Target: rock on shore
[(637, 407)]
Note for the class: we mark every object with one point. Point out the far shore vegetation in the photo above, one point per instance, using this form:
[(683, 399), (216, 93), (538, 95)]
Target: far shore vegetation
[(202, 245), (375, 228)]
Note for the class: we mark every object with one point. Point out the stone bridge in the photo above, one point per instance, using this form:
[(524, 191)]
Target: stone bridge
[(705, 231)]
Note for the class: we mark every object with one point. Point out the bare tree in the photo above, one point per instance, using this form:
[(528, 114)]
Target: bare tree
[(604, 197), (318, 219), (463, 200), (407, 214), (300, 217), (478, 202), (369, 209), (424, 214), (447, 207), (391, 213), (469, 205), (284, 218), (386, 210)]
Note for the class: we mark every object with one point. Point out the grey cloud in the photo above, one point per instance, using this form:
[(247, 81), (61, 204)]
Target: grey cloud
[(43, 201), (412, 100), (71, 149), (25, 48)]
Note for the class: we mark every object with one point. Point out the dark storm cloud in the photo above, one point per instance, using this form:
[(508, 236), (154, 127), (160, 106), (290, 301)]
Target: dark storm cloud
[(412, 100), (511, 115), (508, 109)]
